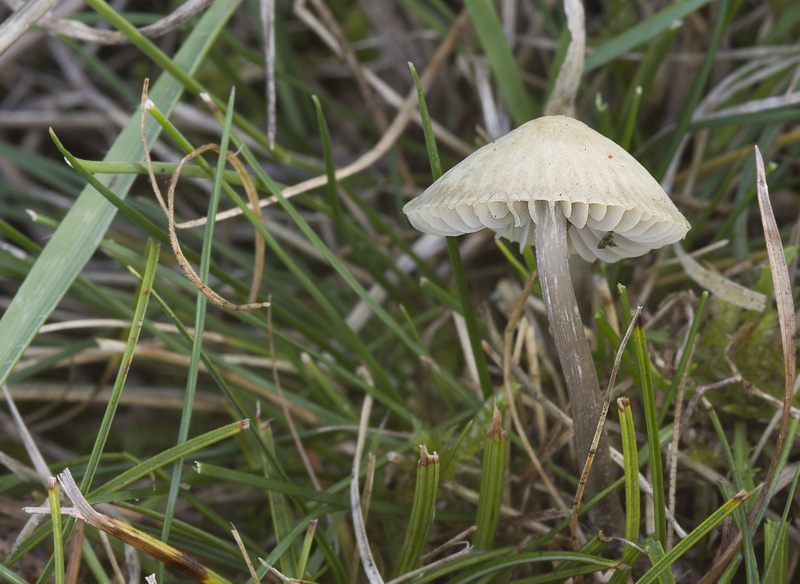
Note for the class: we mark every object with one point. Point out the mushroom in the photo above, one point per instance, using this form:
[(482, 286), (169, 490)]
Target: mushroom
[(556, 183)]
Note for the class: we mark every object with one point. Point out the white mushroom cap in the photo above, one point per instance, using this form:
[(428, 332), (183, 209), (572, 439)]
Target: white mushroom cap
[(614, 207)]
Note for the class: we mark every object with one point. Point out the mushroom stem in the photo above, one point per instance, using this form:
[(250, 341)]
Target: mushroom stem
[(586, 400)]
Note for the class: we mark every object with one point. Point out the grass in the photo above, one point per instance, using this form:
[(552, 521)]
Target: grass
[(376, 340)]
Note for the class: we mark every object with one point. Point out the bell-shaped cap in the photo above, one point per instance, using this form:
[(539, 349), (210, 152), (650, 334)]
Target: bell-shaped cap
[(614, 207)]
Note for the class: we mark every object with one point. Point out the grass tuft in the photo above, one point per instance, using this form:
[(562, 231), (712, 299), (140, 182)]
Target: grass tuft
[(300, 424)]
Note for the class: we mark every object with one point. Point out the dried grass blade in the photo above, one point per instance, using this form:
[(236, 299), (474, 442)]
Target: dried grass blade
[(360, 530), (39, 463), (729, 291), (99, 36), (785, 306), (504, 66), (784, 303), (562, 99), (599, 431), (780, 277), (388, 138), (148, 544), (169, 209), (23, 18)]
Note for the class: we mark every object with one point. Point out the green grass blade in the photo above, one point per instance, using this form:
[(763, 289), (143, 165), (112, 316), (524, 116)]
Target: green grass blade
[(306, 548), (330, 166), (495, 44), (281, 515), (451, 452), (653, 442), (334, 500), (107, 76), (127, 357), (52, 173), (694, 536), (299, 529), (93, 563), (655, 551), (740, 521), (512, 260), (489, 567), (775, 551), (430, 139), (199, 325), (145, 288), (455, 256), (8, 575), (642, 32), (697, 89), (630, 120), (776, 546), (162, 459), (630, 452), (647, 71)]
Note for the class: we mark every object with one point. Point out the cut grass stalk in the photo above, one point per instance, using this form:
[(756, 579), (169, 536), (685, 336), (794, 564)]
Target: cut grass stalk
[(55, 518), (493, 477), (423, 509)]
